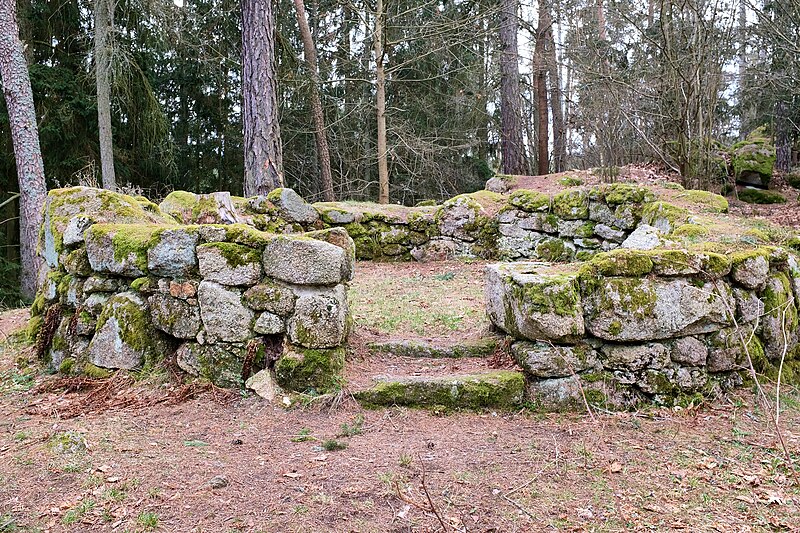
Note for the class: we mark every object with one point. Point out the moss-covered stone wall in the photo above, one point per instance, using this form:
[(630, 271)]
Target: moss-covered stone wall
[(664, 325), (575, 224), (129, 284)]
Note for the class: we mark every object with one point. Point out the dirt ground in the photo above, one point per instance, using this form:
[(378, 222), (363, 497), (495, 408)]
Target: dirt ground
[(226, 463)]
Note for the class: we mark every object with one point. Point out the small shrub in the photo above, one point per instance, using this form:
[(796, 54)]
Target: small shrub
[(333, 445), (148, 520), (355, 428), (793, 178)]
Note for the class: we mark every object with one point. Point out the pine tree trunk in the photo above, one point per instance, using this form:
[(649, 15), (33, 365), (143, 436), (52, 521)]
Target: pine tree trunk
[(512, 148), (380, 104), (103, 26), (559, 131), (783, 144), (263, 161), (323, 152), (25, 136), (540, 89)]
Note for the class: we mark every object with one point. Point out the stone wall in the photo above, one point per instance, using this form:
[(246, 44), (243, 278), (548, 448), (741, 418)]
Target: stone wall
[(574, 224), (662, 325), (129, 283)]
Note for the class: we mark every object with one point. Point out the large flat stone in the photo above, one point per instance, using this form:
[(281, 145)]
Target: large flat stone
[(534, 306), (319, 319), (224, 315), (641, 309), (304, 261), (500, 389), (126, 337)]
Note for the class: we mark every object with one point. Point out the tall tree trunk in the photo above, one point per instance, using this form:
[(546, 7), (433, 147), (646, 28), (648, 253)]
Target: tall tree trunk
[(263, 160), (103, 28), (380, 104), (783, 144), (601, 21), (512, 148), (742, 34), (25, 136), (323, 152), (540, 90), (556, 97)]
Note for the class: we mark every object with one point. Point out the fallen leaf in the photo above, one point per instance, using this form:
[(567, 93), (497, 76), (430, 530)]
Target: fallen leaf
[(292, 475), (616, 467)]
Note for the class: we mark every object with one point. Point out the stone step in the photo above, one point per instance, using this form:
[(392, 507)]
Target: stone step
[(495, 389), (484, 347)]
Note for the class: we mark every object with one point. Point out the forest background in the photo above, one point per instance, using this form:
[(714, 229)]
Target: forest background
[(464, 88)]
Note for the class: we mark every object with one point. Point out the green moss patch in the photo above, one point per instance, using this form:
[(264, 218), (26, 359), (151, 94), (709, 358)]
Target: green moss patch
[(626, 193), (530, 201), (501, 389), (310, 371), (713, 202), (758, 196)]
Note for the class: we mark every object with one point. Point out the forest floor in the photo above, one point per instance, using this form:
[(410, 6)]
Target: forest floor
[(157, 455)]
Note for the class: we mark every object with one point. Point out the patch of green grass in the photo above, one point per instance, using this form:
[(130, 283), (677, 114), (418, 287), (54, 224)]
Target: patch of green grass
[(352, 429), (8, 524), (405, 460), (21, 435), (15, 380), (115, 494), (303, 435), (333, 445), (75, 514), (401, 302), (148, 520)]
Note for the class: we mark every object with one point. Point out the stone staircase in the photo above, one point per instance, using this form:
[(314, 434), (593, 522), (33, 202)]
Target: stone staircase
[(435, 375)]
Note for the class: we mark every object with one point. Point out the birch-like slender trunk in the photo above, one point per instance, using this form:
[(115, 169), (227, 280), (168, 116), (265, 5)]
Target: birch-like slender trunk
[(25, 137), (103, 28), (323, 152), (380, 104)]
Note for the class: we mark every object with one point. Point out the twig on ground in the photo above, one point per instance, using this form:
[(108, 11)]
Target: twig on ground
[(427, 494)]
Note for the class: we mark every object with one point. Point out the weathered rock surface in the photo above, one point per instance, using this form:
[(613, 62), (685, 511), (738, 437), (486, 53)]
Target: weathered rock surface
[(751, 272), (263, 384), (533, 306), (220, 363), (550, 361), (632, 309), (689, 351), (224, 315), (293, 207), (643, 238), (174, 254), (269, 324), (276, 298), (319, 319), (125, 337), (175, 316), (305, 261), (229, 264), (498, 389)]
